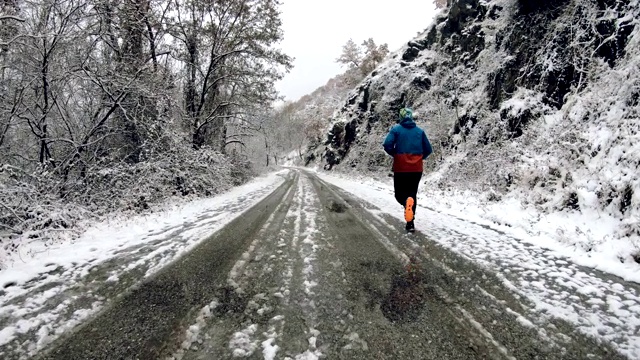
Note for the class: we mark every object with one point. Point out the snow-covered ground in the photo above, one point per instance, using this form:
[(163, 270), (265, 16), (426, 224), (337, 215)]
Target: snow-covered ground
[(141, 244), (588, 237), (52, 291), (544, 270)]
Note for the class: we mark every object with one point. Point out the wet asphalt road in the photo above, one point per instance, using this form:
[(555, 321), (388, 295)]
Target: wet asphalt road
[(311, 272)]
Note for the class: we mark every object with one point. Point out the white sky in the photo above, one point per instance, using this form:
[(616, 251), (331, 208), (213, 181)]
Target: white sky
[(315, 30)]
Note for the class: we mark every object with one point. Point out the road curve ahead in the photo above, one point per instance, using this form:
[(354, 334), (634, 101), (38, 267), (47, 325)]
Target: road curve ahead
[(312, 272)]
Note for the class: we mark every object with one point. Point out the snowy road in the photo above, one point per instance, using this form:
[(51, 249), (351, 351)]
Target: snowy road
[(312, 271)]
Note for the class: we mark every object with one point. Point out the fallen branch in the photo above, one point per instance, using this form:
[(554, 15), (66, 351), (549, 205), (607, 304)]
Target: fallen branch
[(11, 17)]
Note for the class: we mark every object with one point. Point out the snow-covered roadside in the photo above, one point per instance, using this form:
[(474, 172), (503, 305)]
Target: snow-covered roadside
[(166, 235), (585, 238)]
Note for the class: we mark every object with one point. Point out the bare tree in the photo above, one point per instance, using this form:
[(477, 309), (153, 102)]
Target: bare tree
[(361, 60), (351, 55), (373, 55), (229, 62)]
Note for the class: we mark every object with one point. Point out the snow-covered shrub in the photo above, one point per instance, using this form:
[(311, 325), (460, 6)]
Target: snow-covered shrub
[(33, 207)]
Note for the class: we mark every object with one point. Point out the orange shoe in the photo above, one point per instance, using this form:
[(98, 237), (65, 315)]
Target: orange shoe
[(408, 209)]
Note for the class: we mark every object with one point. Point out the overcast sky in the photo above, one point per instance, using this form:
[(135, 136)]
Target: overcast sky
[(315, 30)]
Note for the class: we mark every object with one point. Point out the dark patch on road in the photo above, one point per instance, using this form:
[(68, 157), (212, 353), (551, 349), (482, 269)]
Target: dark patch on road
[(337, 207), (230, 301), (408, 294)]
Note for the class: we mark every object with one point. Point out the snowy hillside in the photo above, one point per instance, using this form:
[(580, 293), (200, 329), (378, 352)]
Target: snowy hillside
[(531, 108), (312, 110)]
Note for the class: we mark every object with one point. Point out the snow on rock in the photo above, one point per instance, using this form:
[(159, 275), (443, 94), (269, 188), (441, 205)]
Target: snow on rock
[(269, 349), (192, 334), (242, 343), (355, 342)]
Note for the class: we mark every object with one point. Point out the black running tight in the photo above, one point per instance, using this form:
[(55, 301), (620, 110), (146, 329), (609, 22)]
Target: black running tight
[(405, 186)]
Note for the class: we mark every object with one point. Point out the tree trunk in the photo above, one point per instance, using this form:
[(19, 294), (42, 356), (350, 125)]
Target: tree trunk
[(152, 37), (266, 146), (139, 112), (45, 154), (190, 94), (198, 139), (223, 137)]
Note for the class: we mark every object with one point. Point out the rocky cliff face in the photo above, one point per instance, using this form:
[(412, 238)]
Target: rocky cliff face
[(535, 97)]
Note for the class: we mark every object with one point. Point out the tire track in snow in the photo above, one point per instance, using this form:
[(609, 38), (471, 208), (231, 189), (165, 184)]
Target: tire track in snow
[(260, 284), (306, 249), (235, 282), (291, 330), (239, 270), (246, 305), (290, 240), (321, 323)]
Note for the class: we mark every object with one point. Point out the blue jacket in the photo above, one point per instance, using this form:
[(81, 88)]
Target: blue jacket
[(409, 145)]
